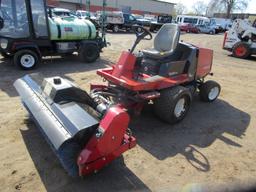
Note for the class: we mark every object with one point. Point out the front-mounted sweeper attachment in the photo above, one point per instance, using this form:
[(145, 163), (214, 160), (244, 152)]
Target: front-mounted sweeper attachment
[(85, 135)]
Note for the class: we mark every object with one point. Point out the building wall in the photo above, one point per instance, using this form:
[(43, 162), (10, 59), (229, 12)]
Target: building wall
[(139, 7)]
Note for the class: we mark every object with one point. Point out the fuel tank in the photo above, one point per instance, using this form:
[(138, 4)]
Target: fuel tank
[(70, 28)]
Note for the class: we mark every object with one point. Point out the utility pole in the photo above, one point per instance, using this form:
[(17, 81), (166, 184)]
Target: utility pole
[(103, 17), (88, 5)]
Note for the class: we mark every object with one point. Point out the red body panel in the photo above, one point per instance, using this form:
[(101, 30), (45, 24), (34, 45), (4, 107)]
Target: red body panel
[(109, 144), (142, 84), (125, 65), (204, 64), (225, 38), (122, 74)]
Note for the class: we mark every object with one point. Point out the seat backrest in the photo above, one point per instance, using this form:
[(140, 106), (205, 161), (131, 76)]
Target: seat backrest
[(167, 38)]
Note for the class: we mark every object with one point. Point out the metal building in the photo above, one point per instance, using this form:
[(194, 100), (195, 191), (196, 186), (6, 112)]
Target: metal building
[(155, 7)]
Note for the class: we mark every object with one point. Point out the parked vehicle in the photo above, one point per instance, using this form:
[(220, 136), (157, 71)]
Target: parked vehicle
[(206, 28), (241, 39), (223, 23), (189, 28), (33, 34), (85, 15), (161, 20), (196, 20), (60, 12), (143, 20), (117, 21), (150, 17)]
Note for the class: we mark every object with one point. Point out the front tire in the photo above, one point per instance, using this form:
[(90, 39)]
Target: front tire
[(26, 59), (115, 28), (173, 104), (209, 91), (89, 52)]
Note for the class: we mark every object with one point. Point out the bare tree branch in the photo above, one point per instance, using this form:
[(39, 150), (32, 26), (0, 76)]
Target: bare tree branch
[(180, 9), (227, 6)]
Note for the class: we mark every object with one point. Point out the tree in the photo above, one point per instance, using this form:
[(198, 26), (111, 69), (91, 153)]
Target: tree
[(228, 5), (199, 8), (180, 9)]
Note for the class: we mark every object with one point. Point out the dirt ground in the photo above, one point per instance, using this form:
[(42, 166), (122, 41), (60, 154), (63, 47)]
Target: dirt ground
[(213, 147)]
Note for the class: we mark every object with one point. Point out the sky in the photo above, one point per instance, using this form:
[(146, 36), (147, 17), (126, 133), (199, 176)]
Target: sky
[(189, 3)]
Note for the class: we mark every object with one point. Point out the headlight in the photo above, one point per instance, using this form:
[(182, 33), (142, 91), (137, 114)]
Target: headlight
[(3, 43)]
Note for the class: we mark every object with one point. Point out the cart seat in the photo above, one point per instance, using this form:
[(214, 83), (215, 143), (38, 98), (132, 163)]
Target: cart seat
[(165, 42)]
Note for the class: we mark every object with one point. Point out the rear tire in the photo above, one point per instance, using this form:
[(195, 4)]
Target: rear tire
[(26, 59), (115, 29), (211, 32), (209, 91), (89, 52), (173, 104), (241, 50)]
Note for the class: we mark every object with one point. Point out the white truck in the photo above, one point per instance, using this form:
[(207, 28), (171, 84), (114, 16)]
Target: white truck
[(117, 21), (241, 39)]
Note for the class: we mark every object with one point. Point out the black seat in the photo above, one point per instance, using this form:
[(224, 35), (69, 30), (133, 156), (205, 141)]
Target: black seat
[(183, 60)]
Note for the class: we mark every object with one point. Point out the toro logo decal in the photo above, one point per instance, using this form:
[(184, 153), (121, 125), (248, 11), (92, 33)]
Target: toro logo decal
[(68, 29)]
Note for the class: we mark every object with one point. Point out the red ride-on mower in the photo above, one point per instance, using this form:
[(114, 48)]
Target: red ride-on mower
[(88, 131)]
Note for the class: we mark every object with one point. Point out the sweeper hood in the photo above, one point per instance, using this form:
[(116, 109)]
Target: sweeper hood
[(66, 124), (85, 132)]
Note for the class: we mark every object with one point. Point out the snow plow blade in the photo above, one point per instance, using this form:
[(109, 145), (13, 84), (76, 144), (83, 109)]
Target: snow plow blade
[(64, 113)]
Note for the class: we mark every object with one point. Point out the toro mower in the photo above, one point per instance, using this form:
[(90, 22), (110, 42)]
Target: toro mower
[(88, 131)]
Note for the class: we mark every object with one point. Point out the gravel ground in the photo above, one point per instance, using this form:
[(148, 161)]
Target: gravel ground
[(213, 147)]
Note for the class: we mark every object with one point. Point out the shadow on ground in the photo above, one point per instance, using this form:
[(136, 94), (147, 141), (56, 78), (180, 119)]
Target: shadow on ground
[(205, 123), (114, 177), (250, 58), (49, 67)]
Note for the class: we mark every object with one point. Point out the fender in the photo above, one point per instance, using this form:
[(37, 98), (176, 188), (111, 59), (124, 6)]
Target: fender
[(16, 46)]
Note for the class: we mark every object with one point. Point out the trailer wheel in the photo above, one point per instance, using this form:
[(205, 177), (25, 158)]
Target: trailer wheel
[(209, 91), (26, 59), (89, 52), (115, 29), (173, 104), (241, 50)]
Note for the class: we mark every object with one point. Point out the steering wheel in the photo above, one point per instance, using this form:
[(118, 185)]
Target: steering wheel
[(142, 33)]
